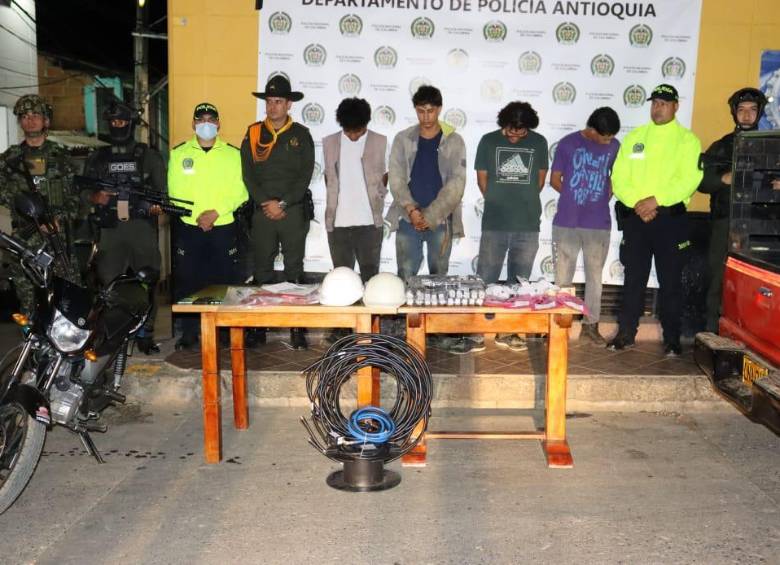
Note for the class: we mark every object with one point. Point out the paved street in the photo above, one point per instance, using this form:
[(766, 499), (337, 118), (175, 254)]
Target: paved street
[(646, 488)]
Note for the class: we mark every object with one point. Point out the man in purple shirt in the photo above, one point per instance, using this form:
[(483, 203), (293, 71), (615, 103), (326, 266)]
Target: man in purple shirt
[(580, 173)]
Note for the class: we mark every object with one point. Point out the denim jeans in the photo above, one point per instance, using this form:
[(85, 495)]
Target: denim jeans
[(567, 243), (409, 248), (520, 247)]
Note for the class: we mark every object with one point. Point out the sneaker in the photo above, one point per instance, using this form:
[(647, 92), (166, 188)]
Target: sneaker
[(464, 345), (298, 339), (188, 343), (672, 349), (513, 342), (590, 332), (620, 342)]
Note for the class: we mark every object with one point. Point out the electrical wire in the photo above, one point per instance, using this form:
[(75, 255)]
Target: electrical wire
[(370, 432)]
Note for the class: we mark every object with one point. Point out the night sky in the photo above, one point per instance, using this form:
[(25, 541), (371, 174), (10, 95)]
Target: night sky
[(98, 32)]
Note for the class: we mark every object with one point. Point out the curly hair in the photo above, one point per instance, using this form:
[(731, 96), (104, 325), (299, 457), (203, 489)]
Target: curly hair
[(427, 94), (353, 114), (518, 115)]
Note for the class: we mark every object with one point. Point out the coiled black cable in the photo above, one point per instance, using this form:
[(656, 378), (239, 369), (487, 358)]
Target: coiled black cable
[(329, 430)]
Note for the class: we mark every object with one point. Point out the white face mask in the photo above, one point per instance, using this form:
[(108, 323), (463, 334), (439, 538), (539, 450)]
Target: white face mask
[(206, 130)]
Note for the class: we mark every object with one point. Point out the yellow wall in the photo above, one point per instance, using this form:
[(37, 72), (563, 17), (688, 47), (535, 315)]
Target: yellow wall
[(213, 57)]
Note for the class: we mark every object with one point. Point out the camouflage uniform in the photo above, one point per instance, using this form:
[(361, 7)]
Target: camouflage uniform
[(51, 172)]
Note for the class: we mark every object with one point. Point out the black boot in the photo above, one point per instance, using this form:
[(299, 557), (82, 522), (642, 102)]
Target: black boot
[(146, 345), (298, 339), (254, 337)]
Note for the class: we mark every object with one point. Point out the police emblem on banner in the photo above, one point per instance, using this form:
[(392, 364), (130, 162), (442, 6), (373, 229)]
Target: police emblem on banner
[(416, 83), (422, 28), (529, 63), (314, 55), (384, 116), (313, 114), (385, 57), (551, 151), (673, 67), (474, 262), (351, 25), (564, 93), (494, 31), (616, 270), (602, 65), (479, 207), (349, 85), (641, 35), (455, 117), (550, 208), (280, 23), (316, 174), (458, 58), (634, 96), (491, 90), (567, 33), (278, 74), (547, 267)]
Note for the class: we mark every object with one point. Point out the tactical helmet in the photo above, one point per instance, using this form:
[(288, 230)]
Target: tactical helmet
[(120, 111), (32, 103), (747, 95), (385, 289), (341, 287)]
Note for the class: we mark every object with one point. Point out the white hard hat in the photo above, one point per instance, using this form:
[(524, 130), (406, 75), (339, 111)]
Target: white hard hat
[(341, 287), (385, 289)]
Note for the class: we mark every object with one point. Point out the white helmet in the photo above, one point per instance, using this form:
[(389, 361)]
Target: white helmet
[(341, 287), (385, 289)]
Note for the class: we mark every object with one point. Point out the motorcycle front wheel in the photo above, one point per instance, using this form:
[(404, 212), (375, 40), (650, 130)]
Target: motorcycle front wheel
[(21, 444)]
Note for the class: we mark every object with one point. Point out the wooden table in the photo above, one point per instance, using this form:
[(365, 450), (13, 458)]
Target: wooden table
[(360, 319), (421, 321)]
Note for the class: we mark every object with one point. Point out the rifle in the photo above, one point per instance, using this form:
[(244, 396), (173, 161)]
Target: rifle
[(131, 198)]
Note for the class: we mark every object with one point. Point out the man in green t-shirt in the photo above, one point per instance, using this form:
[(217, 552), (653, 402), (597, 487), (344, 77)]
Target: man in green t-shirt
[(511, 167)]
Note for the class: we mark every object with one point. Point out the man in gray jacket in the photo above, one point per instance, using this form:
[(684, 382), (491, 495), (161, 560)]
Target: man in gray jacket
[(427, 178), (356, 185)]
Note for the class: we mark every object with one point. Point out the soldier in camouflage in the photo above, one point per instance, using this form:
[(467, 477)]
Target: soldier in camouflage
[(43, 166)]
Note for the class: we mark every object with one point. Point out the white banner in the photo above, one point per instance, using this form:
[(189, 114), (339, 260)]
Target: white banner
[(565, 58)]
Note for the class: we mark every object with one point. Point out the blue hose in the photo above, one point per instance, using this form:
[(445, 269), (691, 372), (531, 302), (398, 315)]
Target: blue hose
[(369, 417)]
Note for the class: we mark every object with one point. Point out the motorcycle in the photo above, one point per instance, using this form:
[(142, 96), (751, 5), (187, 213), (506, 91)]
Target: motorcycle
[(69, 365)]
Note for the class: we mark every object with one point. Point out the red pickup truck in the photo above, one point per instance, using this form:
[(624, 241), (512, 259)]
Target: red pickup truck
[(743, 361)]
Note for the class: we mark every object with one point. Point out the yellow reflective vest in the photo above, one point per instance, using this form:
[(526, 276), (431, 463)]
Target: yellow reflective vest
[(211, 179)]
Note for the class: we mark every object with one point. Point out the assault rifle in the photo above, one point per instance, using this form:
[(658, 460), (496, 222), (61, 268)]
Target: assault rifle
[(131, 200)]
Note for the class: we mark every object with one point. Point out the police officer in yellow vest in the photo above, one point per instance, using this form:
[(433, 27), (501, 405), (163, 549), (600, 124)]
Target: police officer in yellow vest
[(207, 171)]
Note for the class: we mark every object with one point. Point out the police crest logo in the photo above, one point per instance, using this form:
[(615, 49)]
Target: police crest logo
[(547, 266), (455, 117), (385, 57), (479, 207), (313, 114), (314, 55), (602, 65), (316, 174), (529, 63), (634, 96), (294, 142), (349, 85), (277, 74), (567, 33), (280, 23), (351, 25), (640, 36), (551, 151), (422, 28), (550, 208), (187, 164), (673, 67), (384, 116), (616, 270), (638, 148), (416, 83), (474, 263), (458, 58), (564, 93), (494, 31), (491, 90)]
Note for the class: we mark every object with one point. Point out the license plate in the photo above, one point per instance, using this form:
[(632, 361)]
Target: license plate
[(752, 371)]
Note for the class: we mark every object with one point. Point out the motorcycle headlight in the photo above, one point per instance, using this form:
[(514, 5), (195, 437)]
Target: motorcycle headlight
[(65, 335)]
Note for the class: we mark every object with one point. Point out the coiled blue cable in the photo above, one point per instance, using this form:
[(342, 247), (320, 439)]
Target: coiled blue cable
[(358, 422)]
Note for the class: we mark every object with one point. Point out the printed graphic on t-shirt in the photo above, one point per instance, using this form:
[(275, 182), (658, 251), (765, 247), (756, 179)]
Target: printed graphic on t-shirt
[(514, 165), (589, 176)]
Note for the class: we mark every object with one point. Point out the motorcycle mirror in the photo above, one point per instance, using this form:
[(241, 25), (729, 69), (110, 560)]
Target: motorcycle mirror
[(30, 205)]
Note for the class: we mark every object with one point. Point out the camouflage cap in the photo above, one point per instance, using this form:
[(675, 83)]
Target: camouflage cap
[(32, 103)]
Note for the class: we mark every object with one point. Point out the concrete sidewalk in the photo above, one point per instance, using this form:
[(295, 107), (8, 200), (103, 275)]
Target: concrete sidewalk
[(646, 488)]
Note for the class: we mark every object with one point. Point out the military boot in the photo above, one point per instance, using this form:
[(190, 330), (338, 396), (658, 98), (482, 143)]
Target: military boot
[(590, 332)]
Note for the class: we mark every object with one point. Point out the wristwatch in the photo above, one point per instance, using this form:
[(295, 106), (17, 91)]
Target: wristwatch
[(283, 205)]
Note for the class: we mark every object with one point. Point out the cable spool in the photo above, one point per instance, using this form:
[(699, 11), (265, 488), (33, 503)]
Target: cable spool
[(369, 437)]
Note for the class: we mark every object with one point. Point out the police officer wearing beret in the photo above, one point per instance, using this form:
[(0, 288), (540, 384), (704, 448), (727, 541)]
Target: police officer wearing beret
[(277, 157)]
